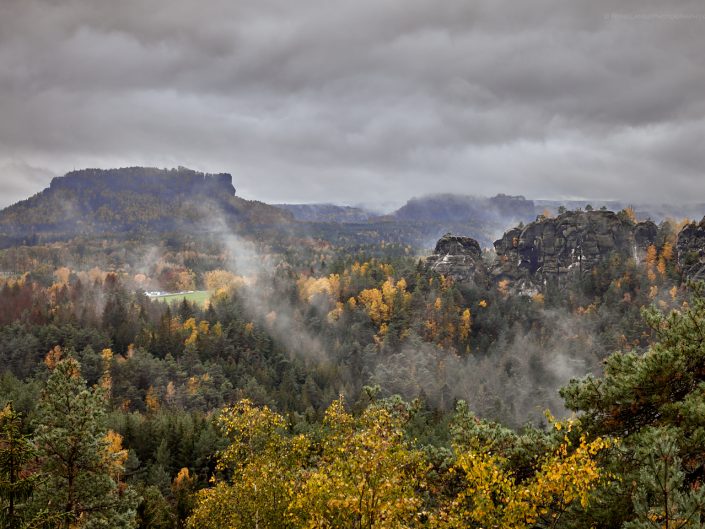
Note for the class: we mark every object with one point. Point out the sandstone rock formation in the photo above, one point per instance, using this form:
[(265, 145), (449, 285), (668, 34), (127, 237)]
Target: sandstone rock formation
[(691, 251), (459, 258), (572, 243)]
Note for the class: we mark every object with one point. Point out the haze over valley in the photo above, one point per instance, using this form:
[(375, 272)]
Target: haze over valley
[(367, 265)]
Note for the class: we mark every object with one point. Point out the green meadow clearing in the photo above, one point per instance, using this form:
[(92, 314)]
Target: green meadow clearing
[(198, 296)]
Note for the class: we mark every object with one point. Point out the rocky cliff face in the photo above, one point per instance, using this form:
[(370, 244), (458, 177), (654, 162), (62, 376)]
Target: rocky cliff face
[(459, 258), (691, 251), (572, 243)]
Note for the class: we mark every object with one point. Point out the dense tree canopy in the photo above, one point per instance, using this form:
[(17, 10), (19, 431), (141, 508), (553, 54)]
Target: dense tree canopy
[(341, 383)]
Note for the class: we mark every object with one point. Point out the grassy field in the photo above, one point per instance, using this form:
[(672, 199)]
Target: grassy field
[(199, 296)]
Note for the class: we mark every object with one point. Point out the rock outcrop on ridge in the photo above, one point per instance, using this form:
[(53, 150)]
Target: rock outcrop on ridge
[(690, 250), (459, 258), (572, 243)]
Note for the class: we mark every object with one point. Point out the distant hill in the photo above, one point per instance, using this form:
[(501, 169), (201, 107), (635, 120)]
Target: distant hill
[(143, 202), (463, 208), (98, 201), (421, 221), (326, 213), (429, 217)]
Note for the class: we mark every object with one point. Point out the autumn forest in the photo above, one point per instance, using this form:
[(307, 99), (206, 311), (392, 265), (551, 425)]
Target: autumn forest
[(329, 374)]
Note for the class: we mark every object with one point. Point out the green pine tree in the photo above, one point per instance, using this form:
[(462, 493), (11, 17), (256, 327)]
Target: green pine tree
[(661, 498), (16, 482), (654, 401), (79, 460)]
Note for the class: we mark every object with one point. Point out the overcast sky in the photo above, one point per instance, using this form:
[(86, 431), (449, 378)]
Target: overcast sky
[(362, 100)]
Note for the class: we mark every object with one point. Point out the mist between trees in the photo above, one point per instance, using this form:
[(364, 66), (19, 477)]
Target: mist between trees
[(295, 322)]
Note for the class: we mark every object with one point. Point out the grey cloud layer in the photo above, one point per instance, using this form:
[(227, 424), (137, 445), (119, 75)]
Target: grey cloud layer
[(372, 100)]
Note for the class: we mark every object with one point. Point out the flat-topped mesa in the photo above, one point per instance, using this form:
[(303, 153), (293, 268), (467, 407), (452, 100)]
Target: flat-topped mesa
[(572, 243), (147, 180), (145, 199), (457, 257), (690, 250)]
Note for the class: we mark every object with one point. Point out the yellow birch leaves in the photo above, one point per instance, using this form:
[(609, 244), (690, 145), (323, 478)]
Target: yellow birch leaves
[(493, 497), (364, 472), (367, 475)]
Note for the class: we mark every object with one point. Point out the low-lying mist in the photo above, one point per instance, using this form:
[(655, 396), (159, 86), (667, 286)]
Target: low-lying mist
[(514, 381)]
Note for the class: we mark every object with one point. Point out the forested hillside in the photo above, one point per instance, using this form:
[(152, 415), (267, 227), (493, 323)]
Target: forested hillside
[(130, 200), (339, 379)]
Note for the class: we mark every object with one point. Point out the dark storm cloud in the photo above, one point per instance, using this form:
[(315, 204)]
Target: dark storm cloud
[(360, 101)]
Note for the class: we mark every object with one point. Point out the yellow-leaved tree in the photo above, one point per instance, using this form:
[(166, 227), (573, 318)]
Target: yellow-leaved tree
[(382, 303), (258, 467), (355, 472), (493, 497), (363, 472), (368, 476)]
